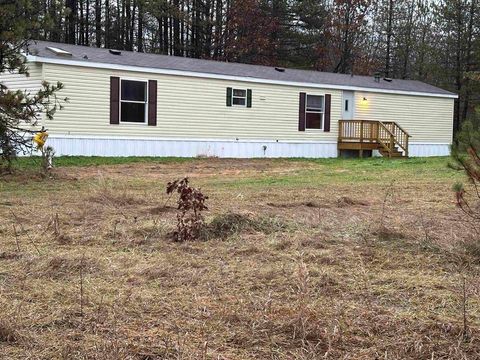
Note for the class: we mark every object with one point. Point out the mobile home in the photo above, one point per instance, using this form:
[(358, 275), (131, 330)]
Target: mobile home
[(135, 104)]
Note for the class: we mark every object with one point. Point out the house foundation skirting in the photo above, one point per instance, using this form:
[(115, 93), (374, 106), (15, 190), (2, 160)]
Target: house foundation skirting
[(428, 149), (119, 147)]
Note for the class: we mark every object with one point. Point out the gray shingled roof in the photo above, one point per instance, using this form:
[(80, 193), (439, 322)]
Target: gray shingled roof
[(99, 55)]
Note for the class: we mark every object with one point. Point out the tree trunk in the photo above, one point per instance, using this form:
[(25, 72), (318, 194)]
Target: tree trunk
[(408, 41), (389, 38), (87, 23), (165, 34), (72, 17), (468, 59), (458, 65), (127, 26), (107, 24), (140, 46), (177, 47), (218, 29), (98, 23), (81, 30)]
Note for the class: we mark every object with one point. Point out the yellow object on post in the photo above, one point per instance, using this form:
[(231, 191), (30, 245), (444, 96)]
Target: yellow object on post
[(40, 138)]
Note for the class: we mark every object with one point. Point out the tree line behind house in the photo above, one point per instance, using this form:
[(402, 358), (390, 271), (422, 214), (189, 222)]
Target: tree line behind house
[(433, 41)]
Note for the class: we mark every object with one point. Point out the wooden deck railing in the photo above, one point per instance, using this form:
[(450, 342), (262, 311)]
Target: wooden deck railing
[(401, 136), (388, 135)]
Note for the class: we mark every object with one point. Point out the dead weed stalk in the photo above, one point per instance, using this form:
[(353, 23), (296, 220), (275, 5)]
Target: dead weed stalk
[(465, 330), (389, 195), (302, 296), (30, 239)]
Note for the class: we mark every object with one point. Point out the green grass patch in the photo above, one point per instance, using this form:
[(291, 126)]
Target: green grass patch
[(65, 161), (328, 171), (316, 172)]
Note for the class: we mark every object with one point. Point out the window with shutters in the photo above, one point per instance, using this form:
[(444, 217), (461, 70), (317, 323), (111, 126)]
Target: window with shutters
[(133, 101), (314, 112), (239, 97)]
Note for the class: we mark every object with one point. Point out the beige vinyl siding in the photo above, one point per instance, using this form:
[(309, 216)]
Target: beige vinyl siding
[(188, 107), (194, 108), (426, 119), (30, 84)]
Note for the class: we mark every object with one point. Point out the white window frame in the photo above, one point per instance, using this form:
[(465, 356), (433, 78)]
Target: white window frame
[(315, 111), (240, 97), (145, 120)]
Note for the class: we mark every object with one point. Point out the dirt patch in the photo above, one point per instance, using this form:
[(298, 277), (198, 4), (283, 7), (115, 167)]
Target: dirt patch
[(346, 201), (193, 168), (309, 204), (158, 210)]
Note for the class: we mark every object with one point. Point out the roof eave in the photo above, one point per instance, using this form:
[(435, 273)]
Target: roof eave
[(98, 65)]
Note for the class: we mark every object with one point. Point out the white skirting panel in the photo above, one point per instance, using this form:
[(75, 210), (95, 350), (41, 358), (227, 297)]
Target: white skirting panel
[(91, 146), (428, 149), (101, 146)]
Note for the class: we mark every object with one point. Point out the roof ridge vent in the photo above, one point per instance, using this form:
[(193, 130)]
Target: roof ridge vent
[(279, 69), (59, 52), (115, 52)]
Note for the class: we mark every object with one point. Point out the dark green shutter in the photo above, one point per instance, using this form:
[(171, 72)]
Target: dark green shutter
[(249, 98), (229, 96)]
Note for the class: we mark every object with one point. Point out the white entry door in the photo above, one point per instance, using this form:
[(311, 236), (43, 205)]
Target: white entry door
[(348, 105)]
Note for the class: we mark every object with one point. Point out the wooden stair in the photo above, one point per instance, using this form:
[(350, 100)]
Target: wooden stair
[(387, 137), (395, 153)]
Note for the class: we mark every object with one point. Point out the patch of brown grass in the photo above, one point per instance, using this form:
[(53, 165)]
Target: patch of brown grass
[(306, 277), (105, 192), (59, 266), (229, 224), (7, 333)]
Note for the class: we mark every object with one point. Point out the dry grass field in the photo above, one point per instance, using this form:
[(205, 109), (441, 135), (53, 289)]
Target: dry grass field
[(327, 259)]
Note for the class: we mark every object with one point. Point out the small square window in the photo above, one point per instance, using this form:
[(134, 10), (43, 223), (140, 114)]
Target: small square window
[(239, 97)]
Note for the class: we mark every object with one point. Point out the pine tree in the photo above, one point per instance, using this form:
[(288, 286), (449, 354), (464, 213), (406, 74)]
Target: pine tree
[(20, 110)]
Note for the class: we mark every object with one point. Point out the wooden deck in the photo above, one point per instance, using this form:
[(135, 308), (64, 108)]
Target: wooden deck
[(387, 137)]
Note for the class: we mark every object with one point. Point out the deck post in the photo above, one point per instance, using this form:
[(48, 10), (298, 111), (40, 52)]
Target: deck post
[(361, 131), (406, 146), (392, 144)]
